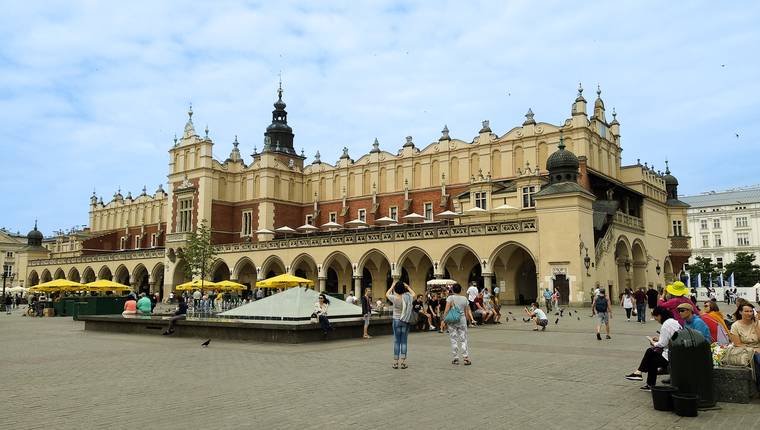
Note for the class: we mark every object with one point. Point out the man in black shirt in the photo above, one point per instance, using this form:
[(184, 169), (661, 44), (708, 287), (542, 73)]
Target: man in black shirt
[(652, 296), (179, 314)]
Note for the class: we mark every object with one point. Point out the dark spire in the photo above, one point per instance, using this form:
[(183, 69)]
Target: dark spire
[(279, 132)]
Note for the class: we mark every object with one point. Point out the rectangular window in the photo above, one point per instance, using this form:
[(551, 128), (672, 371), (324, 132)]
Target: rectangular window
[(677, 230), (7, 270), (741, 221), (527, 196), (137, 242), (703, 224), (153, 240), (428, 211), (363, 214), (719, 262), (716, 223), (309, 219), (393, 212), (705, 241), (480, 200), (123, 243), (742, 239), (333, 217), (185, 216), (246, 223), (718, 241), (9, 254)]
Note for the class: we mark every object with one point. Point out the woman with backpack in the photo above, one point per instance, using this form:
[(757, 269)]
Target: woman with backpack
[(601, 308), (456, 315)]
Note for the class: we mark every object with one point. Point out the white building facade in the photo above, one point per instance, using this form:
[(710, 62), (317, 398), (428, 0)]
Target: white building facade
[(724, 223)]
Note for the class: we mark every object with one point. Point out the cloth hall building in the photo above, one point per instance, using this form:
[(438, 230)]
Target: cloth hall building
[(540, 206)]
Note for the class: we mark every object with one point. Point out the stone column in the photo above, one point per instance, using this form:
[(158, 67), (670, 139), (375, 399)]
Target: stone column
[(322, 284), (358, 286), (487, 280)]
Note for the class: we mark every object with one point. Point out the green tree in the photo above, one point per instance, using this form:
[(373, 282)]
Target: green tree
[(704, 266), (746, 273), (199, 255)]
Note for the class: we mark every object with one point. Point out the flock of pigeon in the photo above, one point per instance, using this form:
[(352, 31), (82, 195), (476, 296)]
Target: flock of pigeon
[(559, 315)]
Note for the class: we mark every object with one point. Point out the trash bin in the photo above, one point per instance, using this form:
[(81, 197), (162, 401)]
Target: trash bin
[(691, 366)]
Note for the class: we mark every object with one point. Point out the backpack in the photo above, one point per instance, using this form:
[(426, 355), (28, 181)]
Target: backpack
[(601, 304)]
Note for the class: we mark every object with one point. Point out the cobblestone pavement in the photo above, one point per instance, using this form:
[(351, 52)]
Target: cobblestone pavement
[(56, 375)]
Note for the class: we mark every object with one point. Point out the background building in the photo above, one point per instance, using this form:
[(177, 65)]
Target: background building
[(724, 223), (539, 206)]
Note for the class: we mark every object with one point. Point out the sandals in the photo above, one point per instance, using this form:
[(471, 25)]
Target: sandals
[(395, 365), (455, 362), (467, 362), (404, 366)]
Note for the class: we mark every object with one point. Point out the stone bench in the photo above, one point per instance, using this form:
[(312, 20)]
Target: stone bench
[(733, 384)]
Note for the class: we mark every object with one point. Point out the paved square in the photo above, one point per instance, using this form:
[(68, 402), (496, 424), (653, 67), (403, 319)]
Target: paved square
[(56, 375)]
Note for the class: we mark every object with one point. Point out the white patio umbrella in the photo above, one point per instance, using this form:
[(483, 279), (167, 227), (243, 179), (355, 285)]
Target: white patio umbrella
[(506, 209), (264, 231), (284, 229), (356, 223), (448, 215), (475, 211), (308, 228), (413, 217), (385, 221), (332, 225)]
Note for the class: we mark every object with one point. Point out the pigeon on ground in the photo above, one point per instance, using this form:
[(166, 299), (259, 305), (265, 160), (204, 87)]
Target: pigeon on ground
[(556, 321), (205, 344), (514, 319), (509, 312), (561, 312), (524, 320), (579, 318), (556, 314)]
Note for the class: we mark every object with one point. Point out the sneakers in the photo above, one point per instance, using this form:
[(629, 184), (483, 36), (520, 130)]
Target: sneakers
[(645, 388), (634, 377), (598, 336)]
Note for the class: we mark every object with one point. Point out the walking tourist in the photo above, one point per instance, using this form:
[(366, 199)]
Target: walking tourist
[(144, 305), (179, 314), (535, 312), (601, 308), (548, 299), (627, 304), (640, 297), (652, 296), (555, 298), (401, 296), (746, 332), (457, 328), (656, 356), (320, 309), (8, 304), (367, 311)]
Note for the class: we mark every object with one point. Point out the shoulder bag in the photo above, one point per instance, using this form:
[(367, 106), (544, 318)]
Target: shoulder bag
[(737, 356), (454, 315)]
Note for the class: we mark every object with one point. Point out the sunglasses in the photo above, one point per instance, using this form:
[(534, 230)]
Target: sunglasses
[(683, 310)]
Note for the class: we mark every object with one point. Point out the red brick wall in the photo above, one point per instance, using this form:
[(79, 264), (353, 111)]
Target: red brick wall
[(290, 215), (111, 241)]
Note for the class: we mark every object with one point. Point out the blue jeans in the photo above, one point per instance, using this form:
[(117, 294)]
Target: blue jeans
[(641, 309), (400, 337), (757, 369)]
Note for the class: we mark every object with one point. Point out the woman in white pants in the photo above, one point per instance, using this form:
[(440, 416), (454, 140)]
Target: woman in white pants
[(458, 330)]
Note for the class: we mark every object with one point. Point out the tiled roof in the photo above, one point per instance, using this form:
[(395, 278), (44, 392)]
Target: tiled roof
[(724, 198)]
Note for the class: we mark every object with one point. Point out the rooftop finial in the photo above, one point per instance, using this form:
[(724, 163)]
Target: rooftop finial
[(190, 113), (175, 139), (598, 91), (445, 133), (529, 117), (614, 114), (235, 143), (35, 224), (317, 157), (667, 168), (144, 190), (279, 88), (303, 153), (561, 145), (206, 130), (580, 89), (375, 146)]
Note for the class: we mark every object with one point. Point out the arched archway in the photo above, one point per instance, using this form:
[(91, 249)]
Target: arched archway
[(88, 275), (272, 266), (157, 279), (623, 262), (121, 275), (33, 279), (305, 267), (667, 269), (105, 273), (179, 276), (59, 274), (45, 277), (463, 265), (514, 271), (140, 279), (220, 271), (375, 268), (245, 272), (338, 270), (639, 265), (416, 265), (73, 275)]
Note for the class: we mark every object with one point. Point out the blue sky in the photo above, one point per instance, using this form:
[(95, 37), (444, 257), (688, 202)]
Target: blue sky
[(92, 93)]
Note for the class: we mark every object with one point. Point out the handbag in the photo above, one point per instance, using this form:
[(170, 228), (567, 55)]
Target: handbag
[(737, 356), (453, 316), (313, 318)]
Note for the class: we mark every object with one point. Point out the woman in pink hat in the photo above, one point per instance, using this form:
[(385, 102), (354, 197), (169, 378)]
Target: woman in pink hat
[(675, 294)]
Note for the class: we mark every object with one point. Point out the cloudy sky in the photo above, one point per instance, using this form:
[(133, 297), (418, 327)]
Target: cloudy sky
[(92, 93)]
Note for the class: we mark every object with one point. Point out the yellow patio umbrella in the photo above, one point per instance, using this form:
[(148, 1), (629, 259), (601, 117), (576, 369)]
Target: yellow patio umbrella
[(195, 285), (57, 285), (106, 285), (230, 285), (284, 281)]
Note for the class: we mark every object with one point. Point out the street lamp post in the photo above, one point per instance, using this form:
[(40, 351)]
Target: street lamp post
[(10, 276)]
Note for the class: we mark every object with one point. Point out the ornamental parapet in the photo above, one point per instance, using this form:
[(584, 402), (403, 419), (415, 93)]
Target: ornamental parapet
[(111, 256), (361, 236), (629, 221)]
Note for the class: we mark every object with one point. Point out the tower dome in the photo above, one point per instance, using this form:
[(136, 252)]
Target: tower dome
[(562, 164), (34, 237)]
